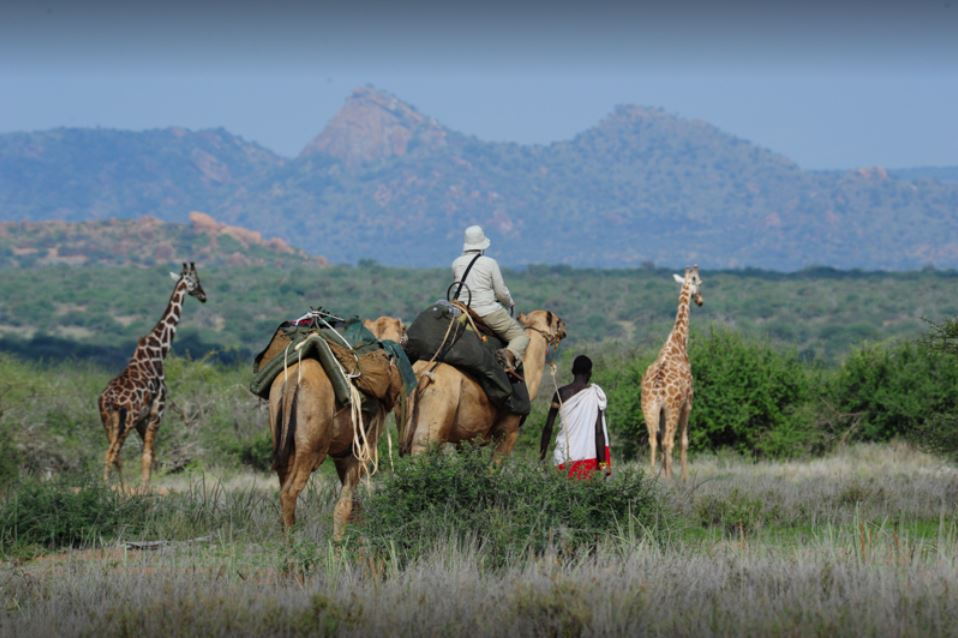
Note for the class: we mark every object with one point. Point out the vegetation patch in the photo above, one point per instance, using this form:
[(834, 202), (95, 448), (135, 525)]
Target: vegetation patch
[(508, 510)]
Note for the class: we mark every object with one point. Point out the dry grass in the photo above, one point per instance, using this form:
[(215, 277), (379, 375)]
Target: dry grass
[(875, 554)]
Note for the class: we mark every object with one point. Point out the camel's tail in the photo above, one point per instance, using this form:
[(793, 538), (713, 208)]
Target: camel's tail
[(284, 434)]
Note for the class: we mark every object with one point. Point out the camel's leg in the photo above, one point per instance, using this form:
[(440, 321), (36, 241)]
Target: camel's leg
[(668, 439), (684, 439), (652, 415), (301, 466), (506, 441), (432, 414), (348, 469)]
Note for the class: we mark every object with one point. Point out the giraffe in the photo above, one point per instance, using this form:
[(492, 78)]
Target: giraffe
[(667, 382), (136, 397)]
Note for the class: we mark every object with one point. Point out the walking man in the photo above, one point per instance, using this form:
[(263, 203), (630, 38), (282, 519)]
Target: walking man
[(484, 290), (582, 445)]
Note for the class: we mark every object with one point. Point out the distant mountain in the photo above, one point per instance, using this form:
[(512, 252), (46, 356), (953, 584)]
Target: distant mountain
[(940, 173), (84, 174), (386, 182), (142, 242)]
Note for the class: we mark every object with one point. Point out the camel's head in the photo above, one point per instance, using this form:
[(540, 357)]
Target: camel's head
[(191, 280), (387, 328), (694, 281), (546, 323)]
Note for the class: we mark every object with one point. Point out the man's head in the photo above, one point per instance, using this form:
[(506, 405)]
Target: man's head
[(475, 239), (582, 366)]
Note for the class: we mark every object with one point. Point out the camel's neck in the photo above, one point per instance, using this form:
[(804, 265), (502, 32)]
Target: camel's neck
[(534, 361), (679, 337), (165, 328)]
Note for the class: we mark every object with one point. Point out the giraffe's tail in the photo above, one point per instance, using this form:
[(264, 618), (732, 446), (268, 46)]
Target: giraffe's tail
[(284, 433), (660, 431)]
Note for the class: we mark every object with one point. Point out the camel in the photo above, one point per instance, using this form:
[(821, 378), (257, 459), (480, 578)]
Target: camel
[(667, 382), (307, 426), (450, 407), (386, 328)]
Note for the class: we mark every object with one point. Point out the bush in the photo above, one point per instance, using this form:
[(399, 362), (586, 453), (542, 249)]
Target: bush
[(749, 397), (508, 510), (53, 515), (900, 390), (9, 468)]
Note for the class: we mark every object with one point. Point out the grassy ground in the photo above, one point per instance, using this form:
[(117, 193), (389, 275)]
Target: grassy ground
[(861, 542)]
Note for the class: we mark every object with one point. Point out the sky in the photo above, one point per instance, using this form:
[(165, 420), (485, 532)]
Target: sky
[(829, 85)]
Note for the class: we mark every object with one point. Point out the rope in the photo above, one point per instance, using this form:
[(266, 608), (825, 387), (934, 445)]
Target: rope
[(552, 371), (363, 450)]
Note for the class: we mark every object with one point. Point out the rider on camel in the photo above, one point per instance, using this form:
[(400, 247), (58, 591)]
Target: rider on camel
[(486, 293)]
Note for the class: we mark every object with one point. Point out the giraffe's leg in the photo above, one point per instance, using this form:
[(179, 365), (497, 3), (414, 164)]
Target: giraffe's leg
[(113, 453), (668, 439), (652, 415), (348, 469), (149, 438), (300, 467), (110, 421), (684, 438)]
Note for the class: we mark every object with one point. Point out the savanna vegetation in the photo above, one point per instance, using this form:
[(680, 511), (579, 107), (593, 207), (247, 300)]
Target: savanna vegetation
[(821, 497), (98, 312)]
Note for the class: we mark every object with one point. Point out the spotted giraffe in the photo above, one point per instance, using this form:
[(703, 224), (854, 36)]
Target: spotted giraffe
[(137, 396), (667, 383)]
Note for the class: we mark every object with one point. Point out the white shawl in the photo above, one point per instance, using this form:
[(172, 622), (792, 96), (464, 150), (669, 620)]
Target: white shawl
[(576, 438)]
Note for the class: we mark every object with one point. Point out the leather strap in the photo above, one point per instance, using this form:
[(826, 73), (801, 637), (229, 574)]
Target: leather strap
[(466, 274)]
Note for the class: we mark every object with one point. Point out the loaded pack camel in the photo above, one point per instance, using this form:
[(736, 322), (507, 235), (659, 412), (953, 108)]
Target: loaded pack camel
[(450, 407), (667, 382), (308, 426), (135, 398)]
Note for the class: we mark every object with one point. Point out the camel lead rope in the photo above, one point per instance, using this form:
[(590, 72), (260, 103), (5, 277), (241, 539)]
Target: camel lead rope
[(552, 371)]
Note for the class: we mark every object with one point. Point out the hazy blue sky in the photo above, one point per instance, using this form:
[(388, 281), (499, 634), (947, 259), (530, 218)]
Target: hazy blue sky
[(829, 85)]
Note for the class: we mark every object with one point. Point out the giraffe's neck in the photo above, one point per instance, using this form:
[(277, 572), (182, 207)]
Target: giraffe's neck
[(679, 337), (165, 329)]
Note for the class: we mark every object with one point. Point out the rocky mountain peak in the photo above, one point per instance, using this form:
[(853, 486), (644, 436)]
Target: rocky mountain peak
[(374, 125)]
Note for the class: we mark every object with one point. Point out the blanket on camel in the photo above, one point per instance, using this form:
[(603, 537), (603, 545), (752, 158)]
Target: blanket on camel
[(443, 332), (348, 353)]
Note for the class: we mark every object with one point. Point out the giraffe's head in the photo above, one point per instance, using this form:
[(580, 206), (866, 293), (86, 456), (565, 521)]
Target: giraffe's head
[(694, 281), (191, 279)]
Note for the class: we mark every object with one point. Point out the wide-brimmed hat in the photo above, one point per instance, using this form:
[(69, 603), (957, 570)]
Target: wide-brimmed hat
[(475, 239)]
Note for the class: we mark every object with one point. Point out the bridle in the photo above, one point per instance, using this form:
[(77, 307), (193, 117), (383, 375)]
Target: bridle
[(552, 338)]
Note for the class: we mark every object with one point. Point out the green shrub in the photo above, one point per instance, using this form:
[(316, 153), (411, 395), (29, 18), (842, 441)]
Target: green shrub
[(749, 397), (9, 468), (53, 515), (507, 510), (886, 391)]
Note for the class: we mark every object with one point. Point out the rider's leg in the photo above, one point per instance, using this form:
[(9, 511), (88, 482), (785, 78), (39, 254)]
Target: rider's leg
[(509, 329)]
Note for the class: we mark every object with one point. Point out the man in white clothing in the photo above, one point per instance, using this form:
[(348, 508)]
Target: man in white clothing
[(484, 290), (582, 445)]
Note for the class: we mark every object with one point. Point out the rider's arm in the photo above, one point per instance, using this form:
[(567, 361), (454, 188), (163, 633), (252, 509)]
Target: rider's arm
[(499, 286)]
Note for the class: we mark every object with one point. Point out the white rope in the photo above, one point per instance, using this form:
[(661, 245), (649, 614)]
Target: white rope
[(552, 371), (366, 453)]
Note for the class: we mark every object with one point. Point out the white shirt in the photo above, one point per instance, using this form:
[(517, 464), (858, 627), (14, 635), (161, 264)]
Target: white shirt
[(484, 281)]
